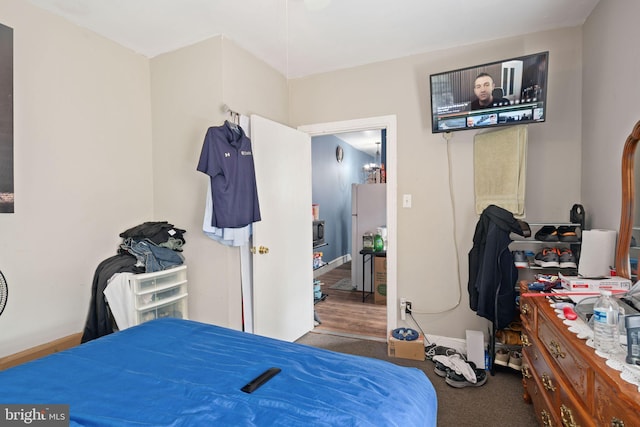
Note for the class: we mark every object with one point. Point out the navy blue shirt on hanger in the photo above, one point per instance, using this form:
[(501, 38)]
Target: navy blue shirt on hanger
[(227, 158)]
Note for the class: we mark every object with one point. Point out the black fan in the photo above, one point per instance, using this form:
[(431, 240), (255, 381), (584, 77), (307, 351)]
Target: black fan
[(4, 291)]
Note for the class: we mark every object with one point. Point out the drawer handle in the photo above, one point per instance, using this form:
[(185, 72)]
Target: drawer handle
[(525, 340), (546, 418), (567, 417), (615, 422), (556, 351), (525, 373), (525, 309), (547, 383)]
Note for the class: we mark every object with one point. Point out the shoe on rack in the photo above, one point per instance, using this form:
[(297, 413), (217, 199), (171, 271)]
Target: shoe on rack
[(566, 259), (548, 233), (508, 337), (547, 258), (502, 357), (520, 259), (515, 360), (454, 379), (516, 325), (567, 233)]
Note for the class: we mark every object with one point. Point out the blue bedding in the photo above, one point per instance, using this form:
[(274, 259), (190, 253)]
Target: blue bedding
[(172, 372)]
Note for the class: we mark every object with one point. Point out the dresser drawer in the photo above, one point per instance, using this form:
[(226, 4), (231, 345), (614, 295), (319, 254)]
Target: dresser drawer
[(609, 410), (544, 374), (527, 311), (572, 413), (163, 294), (146, 282), (544, 410), (575, 370), (176, 307)]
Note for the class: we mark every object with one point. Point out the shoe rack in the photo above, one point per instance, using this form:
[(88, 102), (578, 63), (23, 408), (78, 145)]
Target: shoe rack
[(508, 338), (533, 246)]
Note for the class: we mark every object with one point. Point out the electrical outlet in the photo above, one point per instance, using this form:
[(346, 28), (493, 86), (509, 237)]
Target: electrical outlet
[(407, 307)]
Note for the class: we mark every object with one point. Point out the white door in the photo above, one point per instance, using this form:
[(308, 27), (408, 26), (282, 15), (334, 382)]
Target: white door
[(282, 240)]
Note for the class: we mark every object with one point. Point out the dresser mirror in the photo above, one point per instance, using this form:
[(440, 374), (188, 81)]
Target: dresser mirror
[(630, 213)]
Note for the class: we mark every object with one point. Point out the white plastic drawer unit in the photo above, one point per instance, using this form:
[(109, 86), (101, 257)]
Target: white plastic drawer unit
[(160, 294)]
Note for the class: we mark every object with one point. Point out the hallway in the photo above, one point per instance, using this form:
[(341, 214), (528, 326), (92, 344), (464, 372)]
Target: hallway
[(343, 312)]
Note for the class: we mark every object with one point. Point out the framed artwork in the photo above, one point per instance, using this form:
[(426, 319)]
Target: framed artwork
[(6, 120)]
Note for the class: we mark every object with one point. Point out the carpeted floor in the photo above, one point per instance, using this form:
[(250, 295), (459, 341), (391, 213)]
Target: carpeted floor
[(497, 403)]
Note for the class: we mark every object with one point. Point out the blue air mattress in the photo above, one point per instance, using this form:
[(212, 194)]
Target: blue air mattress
[(172, 372)]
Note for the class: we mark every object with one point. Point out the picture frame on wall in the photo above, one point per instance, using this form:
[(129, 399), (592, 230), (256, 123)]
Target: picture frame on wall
[(7, 194)]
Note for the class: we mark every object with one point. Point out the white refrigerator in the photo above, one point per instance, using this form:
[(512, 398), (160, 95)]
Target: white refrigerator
[(368, 212)]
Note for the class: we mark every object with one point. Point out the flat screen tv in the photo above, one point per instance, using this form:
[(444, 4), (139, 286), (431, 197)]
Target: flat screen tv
[(501, 93)]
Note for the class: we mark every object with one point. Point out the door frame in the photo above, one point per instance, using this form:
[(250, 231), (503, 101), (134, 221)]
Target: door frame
[(375, 123)]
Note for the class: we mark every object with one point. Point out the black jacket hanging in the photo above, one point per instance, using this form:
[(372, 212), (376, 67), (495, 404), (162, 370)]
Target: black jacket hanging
[(492, 273)]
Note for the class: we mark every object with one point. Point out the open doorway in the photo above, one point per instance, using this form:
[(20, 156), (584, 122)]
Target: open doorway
[(388, 125)]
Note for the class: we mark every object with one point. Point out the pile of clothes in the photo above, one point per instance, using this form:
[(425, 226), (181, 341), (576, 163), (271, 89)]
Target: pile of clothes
[(156, 245), (145, 248)]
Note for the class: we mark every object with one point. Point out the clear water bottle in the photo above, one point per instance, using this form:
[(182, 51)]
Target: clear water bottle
[(606, 336)]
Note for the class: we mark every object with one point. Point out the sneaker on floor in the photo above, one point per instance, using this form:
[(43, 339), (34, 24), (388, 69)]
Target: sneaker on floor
[(515, 360), (548, 233), (567, 233), (438, 350), (457, 380), (458, 365), (547, 258), (502, 357), (566, 259), (441, 369), (520, 259)]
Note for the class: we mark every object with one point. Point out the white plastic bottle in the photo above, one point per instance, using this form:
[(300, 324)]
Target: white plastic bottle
[(606, 336)]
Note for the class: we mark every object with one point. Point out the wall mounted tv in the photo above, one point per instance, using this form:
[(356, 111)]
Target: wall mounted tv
[(501, 93)]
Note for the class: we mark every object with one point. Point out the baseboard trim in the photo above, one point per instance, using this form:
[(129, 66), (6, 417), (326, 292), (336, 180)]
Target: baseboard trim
[(347, 335), (40, 351)]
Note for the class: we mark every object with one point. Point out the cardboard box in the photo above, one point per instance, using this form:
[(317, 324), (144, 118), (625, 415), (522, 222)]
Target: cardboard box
[(402, 349), (575, 283), (380, 280)]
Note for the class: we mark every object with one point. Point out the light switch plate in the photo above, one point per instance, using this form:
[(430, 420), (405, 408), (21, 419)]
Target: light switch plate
[(406, 200)]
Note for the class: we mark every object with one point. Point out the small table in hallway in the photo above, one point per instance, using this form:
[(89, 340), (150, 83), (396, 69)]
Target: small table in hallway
[(368, 255)]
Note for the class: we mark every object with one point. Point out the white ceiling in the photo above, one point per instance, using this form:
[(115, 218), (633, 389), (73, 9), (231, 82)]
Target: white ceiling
[(298, 40), (304, 37)]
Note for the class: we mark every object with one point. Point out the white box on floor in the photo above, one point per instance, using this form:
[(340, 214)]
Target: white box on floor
[(475, 348)]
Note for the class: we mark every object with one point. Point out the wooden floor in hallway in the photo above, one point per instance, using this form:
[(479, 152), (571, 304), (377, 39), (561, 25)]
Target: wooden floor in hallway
[(344, 312)]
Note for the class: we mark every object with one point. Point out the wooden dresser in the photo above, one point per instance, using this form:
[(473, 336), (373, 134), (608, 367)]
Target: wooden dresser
[(568, 384)]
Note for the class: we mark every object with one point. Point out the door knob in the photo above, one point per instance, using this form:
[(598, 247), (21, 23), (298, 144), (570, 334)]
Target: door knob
[(263, 250)]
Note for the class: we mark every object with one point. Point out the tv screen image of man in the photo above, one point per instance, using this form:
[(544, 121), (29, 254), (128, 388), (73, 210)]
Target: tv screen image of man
[(483, 88)]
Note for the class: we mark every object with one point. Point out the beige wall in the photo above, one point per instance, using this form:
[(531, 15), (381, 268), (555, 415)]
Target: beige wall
[(610, 105), (82, 170), (189, 87), (90, 162), (432, 266)]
